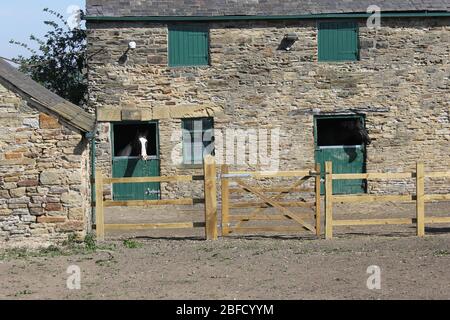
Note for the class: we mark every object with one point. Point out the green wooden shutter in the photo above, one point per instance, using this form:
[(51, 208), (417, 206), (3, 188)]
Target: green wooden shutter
[(338, 41), (188, 46)]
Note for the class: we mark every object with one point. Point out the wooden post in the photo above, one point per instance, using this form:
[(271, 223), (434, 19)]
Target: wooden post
[(225, 201), (328, 200), (318, 209), (210, 198), (99, 213), (420, 199)]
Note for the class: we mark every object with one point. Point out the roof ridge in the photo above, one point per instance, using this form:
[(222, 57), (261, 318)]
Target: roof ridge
[(209, 8)]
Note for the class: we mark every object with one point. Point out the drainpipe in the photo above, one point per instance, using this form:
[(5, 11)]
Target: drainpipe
[(91, 138)]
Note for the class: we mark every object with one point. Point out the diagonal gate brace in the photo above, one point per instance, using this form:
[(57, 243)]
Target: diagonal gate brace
[(275, 204)]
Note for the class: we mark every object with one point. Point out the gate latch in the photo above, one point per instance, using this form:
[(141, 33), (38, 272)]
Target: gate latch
[(150, 191)]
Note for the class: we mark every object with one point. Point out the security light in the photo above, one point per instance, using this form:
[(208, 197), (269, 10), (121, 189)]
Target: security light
[(288, 41), (132, 45), (291, 37)]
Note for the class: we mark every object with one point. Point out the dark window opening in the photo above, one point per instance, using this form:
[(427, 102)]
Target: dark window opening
[(198, 139), (341, 132), (126, 139)]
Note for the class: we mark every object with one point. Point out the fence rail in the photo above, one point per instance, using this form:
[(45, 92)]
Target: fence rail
[(420, 198), (210, 202), (281, 198)]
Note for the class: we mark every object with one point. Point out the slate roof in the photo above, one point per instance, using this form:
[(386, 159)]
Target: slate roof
[(34, 93), (127, 8)]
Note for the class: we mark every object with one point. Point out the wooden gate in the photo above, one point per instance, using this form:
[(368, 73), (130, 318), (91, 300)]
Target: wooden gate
[(269, 204), (210, 202)]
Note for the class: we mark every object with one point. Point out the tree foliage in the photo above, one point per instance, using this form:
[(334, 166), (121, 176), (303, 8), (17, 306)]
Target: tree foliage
[(60, 62)]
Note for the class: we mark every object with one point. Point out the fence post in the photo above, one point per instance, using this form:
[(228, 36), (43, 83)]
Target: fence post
[(420, 199), (99, 213), (210, 198), (328, 200), (225, 201), (318, 209)]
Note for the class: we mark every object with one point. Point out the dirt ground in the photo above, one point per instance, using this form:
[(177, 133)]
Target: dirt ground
[(177, 265)]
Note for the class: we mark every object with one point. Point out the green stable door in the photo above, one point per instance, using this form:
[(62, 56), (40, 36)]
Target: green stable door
[(339, 140), (133, 165)]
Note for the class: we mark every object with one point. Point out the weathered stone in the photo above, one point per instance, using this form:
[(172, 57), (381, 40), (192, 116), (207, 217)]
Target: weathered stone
[(109, 114), (21, 200), (58, 189), (11, 179), (31, 122), (76, 213), (71, 198), (17, 162), (18, 193), (71, 225), (45, 219), (28, 183), (53, 207), (4, 194), (5, 212), (17, 205), (13, 155), (20, 212), (131, 115), (74, 178), (50, 178), (37, 211), (28, 218), (48, 122), (9, 185)]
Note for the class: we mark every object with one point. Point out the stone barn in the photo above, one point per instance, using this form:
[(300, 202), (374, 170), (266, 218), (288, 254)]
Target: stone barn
[(370, 97), (44, 164)]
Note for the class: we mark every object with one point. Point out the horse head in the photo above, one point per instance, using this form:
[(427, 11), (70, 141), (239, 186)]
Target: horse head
[(142, 141)]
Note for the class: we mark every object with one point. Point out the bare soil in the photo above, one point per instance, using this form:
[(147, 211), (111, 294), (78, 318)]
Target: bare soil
[(180, 265)]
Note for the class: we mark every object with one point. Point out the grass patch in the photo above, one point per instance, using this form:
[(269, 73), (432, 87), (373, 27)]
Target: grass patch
[(71, 246), (22, 293), (132, 244), (441, 253)]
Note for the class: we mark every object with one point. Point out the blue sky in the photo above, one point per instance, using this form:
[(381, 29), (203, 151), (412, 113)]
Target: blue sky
[(21, 18)]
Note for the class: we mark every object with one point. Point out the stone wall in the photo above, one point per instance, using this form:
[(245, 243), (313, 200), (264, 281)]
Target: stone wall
[(401, 85), (44, 176)]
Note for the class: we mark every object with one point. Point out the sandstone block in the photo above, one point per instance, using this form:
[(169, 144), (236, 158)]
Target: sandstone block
[(71, 226), (45, 219), (28, 183), (50, 178), (28, 218), (5, 212), (4, 194), (48, 122), (17, 193), (71, 198), (9, 185), (53, 207), (76, 214), (21, 200)]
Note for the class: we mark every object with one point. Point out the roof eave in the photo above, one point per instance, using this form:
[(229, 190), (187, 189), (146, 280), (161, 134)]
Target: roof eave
[(402, 14)]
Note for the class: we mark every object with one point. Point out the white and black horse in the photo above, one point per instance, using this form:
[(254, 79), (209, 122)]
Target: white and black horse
[(137, 147)]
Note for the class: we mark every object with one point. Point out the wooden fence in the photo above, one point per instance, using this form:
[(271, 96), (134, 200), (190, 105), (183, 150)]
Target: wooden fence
[(209, 201), (269, 197), (273, 196), (420, 199)]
